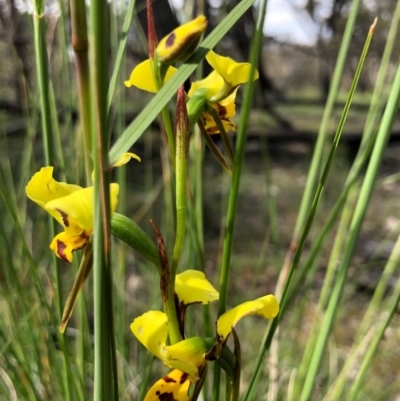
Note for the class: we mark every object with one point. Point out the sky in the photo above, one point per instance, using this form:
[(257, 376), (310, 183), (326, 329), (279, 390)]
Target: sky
[(286, 20)]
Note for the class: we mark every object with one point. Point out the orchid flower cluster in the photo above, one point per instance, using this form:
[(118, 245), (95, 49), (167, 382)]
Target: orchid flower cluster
[(72, 207), (210, 103), (190, 356)]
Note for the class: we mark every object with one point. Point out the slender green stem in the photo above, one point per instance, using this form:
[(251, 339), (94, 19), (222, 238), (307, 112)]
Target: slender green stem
[(119, 58), (237, 170), (363, 201), (182, 147), (310, 219), (39, 28), (315, 166), (392, 265), (170, 134), (80, 45), (105, 369)]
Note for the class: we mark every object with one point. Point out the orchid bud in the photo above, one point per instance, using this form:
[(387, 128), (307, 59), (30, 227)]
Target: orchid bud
[(182, 41)]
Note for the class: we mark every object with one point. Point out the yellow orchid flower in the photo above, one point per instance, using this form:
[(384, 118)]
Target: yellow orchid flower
[(233, 73), (174, 387), (182, 41), (71, 205), (151, 328), (142, 77), (210, 87), (189, 355)]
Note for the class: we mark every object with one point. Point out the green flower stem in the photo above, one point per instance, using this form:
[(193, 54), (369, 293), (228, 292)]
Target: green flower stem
[(174, 333), (170, 133), (214, 149), (39, 29), (43, 83), (237, 170), (167, 285), (80, 45), (121, 250), (182, 148), (105, 368), (224, 136)]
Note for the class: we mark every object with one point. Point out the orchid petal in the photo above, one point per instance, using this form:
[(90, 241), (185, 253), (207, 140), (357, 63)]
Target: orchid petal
[(233, 73), (173, 387), (182, 41), (76, 209), (191, 286), (125, 158), (43, 188), (142, 77), (151, 329), (267, 307)]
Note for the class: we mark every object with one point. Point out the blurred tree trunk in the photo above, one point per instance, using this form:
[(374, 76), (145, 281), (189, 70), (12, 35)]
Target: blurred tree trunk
[(164, 17)]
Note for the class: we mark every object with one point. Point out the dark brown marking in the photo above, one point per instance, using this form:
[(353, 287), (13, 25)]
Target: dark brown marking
[(165, 396), (183, 378), (222, 111), (170, 40), (64, 217), (168, 379), (60, 250)]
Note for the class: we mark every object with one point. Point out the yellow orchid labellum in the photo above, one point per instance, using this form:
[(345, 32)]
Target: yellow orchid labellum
[(142, 77), (182, 41), (267, 307), (172, 387), (71, 205)]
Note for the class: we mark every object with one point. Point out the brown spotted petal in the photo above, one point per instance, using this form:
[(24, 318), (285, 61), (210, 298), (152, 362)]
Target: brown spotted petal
[(64, 244), (182, 41), (173, 387)]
